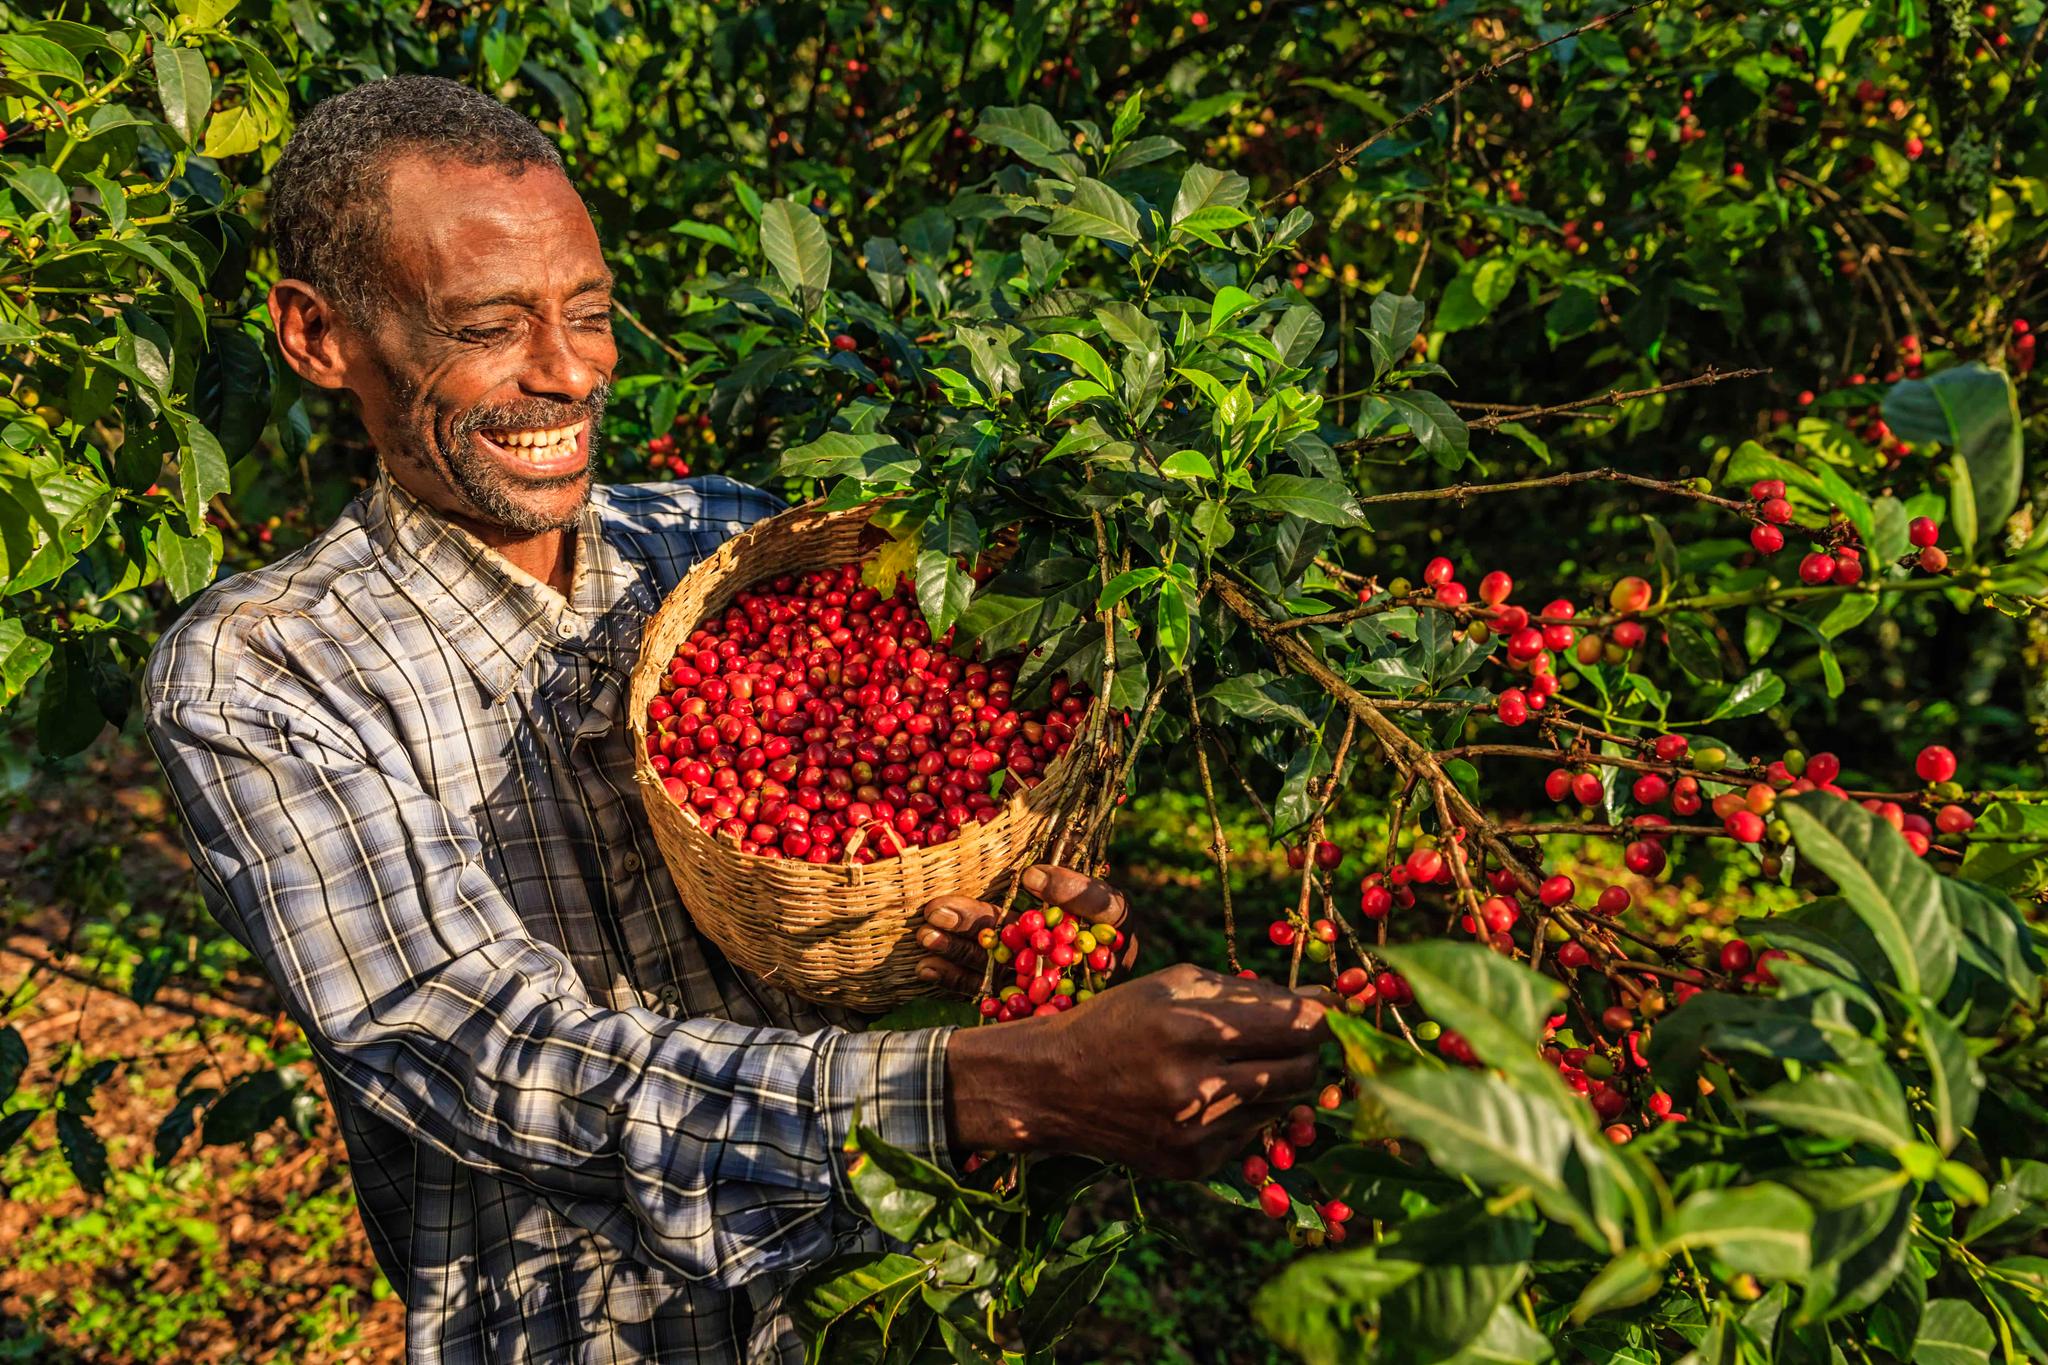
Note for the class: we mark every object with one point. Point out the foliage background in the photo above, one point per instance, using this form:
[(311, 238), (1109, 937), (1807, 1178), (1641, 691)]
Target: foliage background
[(1798, 189)]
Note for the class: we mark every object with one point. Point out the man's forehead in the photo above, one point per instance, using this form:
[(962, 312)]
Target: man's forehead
[(465, 236)]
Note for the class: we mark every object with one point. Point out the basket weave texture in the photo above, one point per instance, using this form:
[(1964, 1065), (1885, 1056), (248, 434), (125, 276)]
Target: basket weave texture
[(838, 933)]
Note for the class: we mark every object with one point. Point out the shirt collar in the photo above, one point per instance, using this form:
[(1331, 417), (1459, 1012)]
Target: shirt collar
[(494, 621)]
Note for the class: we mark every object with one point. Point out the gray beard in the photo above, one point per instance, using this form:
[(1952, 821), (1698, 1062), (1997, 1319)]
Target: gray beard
[(481, 481)]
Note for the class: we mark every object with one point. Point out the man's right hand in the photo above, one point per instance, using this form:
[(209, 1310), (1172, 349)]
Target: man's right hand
[(1171, 1073)]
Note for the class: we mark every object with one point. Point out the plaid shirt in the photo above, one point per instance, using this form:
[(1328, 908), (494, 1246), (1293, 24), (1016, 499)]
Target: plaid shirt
[(406, 776)]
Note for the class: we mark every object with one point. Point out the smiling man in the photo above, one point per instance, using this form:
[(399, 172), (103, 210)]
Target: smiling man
[(406, 776)]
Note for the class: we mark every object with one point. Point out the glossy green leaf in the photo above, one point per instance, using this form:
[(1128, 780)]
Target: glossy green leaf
[(1498, 1005), (1973, 411), (1884, 881), (795, 244), (184, 89), (1095, 210)]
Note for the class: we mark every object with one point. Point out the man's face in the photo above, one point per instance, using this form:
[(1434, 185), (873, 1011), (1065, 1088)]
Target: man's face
[(484, 376)]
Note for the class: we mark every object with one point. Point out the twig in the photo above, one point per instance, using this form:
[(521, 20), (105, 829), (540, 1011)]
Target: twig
[(648, 332), (1220, 845), (1494, 420)]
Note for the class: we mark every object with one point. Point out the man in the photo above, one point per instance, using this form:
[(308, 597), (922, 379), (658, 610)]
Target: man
[(577, 1134)]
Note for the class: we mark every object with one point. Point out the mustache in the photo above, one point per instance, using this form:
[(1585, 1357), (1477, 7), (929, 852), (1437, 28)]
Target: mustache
[(537, 413)]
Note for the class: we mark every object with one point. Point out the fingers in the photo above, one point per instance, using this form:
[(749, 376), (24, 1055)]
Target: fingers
[(1077, 893), (949, 975)]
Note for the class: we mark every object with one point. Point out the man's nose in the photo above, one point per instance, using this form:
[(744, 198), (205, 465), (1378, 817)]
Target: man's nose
[(568, 363)]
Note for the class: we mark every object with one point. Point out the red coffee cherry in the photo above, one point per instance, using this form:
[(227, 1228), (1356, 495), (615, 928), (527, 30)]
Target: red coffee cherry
[(1922, 532), (1935, 764), (1766, 538)]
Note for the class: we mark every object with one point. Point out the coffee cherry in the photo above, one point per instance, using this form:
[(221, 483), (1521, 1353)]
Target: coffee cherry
[(1495, 587), (1617, 1019), (1425, 864), (1848, 566), (1935, 764), (1556, 890), (1438, 572), (1776, 511), (1557, 784), (1587, 789), (1711, 759), (1816, 568), (1644, 858), (1766, 538), (1281, 933), (1280, 1152), (1499, 914), (1630, 594), (1275, 1200), (1513, 708), (1328, 855), (1613, 900), (1374, 902), (1823, 768), (1649, 789), (1923, 532), (1954, 820), (1255, 1171), (843, 342), (1670, 748), (1573, 956), (1763, 490)]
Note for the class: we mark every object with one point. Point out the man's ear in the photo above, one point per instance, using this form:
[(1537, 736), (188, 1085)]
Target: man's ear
[(309, 334)]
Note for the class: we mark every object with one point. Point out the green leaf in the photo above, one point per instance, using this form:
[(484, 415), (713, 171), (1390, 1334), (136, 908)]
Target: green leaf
[(1319, 1307), (1482, 285), (1764, 1229), (1084, 358), (184, 88), (186, 562), (13, 1125), (1205, 187), (1073, 393), (943, 589), (24, 55), (864, 1283), (795, 244), (1124, 584), (1258, 696), (1095, 210), (22, 656), (1974, 411), (1992, 938), (1955, 1083), (1437, 428), (1070, 1282), (1033, 135), (1187, 464), (2013, 852), (83, 1151), (237, 130), (1758, 692), (1297, 333), (13, 1061), (1891, 890), (1493, 1132), (1862, 1103), (1228, 303), (1324, 501), (1952, 1332), (1498, 1005), (202, 470), (1693, 648)]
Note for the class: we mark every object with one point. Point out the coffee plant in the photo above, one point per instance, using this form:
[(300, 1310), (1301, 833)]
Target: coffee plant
[(1182, 370)]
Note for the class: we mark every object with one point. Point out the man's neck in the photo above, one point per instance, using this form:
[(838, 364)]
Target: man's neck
[(549, 556)]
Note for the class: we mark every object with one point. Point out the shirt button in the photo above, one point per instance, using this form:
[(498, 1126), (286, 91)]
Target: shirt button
[(632, 862), (669, 996)]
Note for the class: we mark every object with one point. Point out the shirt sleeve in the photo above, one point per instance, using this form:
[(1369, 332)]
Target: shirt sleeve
[(425, 997)]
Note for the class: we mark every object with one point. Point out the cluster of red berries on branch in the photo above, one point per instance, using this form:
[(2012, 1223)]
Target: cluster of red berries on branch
[(1057, 961), (1280, 1146), (665, 452), (816, 718)]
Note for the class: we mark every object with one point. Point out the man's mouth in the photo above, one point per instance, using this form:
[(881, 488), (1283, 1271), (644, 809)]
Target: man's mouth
[(544, 452)]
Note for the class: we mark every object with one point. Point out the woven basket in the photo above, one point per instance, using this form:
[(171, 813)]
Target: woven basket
[(837, 933)]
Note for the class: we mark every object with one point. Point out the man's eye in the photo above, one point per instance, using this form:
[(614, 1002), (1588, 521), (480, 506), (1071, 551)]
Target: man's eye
[(484, 336), (601, 318)]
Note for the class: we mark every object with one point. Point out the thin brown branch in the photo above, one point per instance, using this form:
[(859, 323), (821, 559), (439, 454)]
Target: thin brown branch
[(1498, 418)]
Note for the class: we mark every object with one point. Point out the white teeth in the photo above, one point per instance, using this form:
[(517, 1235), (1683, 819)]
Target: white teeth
[(539, 446)]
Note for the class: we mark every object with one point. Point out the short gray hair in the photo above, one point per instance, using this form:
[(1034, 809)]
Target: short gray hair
[(327, 201)]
